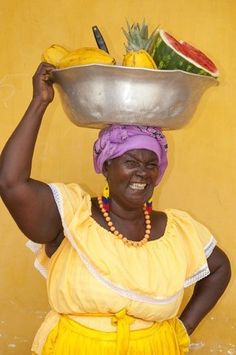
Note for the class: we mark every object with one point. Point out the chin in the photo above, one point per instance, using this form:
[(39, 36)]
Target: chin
[(137, 197)]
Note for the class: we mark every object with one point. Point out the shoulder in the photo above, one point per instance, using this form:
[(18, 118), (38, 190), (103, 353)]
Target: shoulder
[(182, 218), (69, 191), (171, 220), (172, 216), (192, 231), (178, 214), (71, 199), (159, 223)]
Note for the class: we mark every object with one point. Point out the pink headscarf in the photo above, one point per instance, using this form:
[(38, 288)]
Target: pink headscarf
[(116, 140)]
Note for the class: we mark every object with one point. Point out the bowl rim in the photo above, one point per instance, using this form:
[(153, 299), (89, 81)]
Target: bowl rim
[(138, 69)]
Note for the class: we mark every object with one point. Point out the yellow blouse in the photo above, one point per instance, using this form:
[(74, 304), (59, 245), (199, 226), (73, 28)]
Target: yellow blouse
[(94, 272)]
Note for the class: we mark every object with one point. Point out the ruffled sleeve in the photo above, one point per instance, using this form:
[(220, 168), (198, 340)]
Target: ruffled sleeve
[(198, 243), (197, 260), (42, 261), (72, 202)]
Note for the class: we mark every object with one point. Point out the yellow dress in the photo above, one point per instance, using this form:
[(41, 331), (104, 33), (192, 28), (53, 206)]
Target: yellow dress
[(109, 298)]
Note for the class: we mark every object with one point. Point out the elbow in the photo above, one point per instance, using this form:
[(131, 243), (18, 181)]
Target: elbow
[(223, 274), (4, 180), (8, 180), (227, 270), (5, 183), (220, 271), (8, 176)]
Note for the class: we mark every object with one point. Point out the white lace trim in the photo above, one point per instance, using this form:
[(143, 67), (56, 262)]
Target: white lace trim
[(34, 247), (200, 274), (204, 270), (208, 249), (43, 271), (90, 267), (58, 199)]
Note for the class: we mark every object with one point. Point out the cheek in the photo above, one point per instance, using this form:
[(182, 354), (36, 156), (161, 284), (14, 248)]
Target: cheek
[(155, 173), (119, 179)]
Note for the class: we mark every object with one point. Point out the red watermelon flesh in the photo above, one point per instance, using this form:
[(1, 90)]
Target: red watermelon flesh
[(193, 53)]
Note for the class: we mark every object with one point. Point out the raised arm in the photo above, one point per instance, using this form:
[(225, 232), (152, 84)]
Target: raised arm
[(30, 202), (208, 290)]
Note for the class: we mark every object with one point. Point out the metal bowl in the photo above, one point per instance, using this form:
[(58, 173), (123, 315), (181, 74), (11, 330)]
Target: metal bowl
[(98, 95)]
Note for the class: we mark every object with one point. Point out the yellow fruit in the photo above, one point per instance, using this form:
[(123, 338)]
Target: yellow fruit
[(140, 59), (54, 54), (86, 55)]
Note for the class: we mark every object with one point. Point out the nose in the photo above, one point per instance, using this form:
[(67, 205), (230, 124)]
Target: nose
[(141, 170)]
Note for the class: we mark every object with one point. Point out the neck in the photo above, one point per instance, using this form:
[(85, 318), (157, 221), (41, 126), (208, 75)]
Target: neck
[(125, 212), (131, 229)]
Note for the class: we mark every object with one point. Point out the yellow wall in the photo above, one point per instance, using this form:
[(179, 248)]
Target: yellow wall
[(202, 171)]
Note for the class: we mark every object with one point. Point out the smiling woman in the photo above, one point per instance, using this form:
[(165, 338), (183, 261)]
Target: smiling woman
[(116, 270), (133, 176)]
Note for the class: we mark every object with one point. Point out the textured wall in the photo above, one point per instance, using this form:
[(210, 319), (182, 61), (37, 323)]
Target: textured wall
[(202, 170)]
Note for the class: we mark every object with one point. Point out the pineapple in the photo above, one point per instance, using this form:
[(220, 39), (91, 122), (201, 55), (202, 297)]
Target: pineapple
[(139, 46)]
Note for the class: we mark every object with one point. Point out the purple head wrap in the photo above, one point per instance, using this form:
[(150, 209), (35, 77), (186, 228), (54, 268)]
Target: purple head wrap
[(116, 140)]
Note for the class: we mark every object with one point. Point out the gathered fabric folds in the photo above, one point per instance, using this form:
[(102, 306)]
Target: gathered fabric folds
[(71, 338), (108, 298)]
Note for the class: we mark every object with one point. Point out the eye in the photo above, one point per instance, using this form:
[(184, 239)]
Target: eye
[(131, 163), (152, 165)]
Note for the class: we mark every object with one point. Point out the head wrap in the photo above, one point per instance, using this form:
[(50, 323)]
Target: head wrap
[(116, 140)]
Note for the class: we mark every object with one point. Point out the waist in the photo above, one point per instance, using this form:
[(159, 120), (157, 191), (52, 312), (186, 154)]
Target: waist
[(107, 322)]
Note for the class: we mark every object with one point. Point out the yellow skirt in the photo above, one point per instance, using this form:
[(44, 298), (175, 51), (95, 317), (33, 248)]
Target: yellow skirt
[(71, 338)]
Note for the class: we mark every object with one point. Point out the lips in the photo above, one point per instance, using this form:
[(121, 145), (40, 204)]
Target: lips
[(137, 186)]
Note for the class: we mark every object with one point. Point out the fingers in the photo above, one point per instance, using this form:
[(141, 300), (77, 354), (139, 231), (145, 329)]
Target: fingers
[(43, 72), (46, 66), (47, 78), (44, 69)]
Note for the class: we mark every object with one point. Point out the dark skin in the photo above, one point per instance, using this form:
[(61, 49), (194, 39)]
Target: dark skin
[(131, 178), (138, 166)]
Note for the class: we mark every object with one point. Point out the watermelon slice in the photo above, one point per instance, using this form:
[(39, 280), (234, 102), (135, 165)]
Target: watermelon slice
[(171, 54)]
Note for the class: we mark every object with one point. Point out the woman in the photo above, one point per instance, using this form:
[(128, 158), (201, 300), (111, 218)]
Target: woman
[(115, 269)]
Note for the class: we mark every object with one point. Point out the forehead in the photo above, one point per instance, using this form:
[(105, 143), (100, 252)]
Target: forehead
[(140, 154)]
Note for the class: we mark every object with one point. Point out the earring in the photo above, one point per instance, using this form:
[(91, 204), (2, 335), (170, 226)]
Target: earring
[(106, 197), (148, 205)]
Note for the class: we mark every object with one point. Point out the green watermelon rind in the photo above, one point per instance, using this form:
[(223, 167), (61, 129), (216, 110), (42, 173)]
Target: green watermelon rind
[(167, 57)]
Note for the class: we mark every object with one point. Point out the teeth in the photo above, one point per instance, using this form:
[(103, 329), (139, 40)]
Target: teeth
[(137, 186)]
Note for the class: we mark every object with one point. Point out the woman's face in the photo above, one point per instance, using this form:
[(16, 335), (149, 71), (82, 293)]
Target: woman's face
[(132, 177)]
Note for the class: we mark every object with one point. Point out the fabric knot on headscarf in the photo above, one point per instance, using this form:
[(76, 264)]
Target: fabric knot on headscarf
[(116, 140), (118, 134)]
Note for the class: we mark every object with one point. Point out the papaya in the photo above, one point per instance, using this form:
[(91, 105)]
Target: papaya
[(54, 54), (86, 55)]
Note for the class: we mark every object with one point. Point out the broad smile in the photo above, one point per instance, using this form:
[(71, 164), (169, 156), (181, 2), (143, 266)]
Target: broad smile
[(137, 186)]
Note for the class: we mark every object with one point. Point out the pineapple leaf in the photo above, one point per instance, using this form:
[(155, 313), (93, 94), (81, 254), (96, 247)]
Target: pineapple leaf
[(144, 30), (137, 37), (152, 41), (128, 25), (126, 34)]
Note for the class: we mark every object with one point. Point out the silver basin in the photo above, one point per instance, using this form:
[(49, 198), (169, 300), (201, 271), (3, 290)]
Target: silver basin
[(97, 95)]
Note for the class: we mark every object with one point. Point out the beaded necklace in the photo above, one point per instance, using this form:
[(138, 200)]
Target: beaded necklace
[(119, 235)]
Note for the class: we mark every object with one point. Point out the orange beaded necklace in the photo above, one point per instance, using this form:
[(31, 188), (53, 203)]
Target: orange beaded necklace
[(118, 234)]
